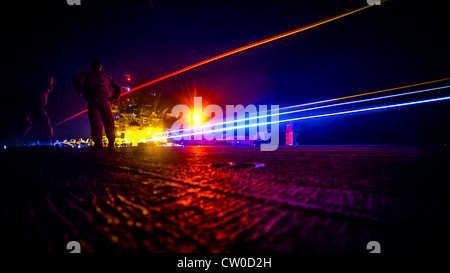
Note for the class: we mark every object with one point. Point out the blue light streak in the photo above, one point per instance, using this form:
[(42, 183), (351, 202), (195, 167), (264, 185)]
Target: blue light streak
[(313, 108), (313, 116)]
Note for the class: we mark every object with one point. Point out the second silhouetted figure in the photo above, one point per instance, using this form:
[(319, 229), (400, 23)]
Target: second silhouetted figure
[(99, 90)]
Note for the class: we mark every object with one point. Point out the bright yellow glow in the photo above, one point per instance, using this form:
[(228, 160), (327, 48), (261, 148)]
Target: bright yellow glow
[(196, 118), (134, 135)]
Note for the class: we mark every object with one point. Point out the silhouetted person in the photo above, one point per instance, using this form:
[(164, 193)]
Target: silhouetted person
[(35, 111), (99, 90)]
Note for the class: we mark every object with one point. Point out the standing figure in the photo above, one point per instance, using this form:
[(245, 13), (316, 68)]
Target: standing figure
[(36, 112), (99, 90)]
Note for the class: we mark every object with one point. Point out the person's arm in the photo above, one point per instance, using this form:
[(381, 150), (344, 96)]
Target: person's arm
[(117, 89)]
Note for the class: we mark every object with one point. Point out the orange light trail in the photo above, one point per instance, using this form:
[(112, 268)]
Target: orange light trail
[(240, 49), (365, 94), (234, 51)]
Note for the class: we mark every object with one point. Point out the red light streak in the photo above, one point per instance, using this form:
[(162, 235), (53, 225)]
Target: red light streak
[(240, 49), (234, 51), (69, 118)]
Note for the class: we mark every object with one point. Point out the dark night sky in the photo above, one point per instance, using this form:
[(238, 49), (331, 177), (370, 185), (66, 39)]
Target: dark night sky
[(397, 43)]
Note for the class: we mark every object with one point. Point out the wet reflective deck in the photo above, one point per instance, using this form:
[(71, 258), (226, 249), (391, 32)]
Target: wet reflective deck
[(225, 199)]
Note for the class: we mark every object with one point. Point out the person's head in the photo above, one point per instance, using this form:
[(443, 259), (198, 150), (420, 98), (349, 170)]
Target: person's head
[(96, 64)]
